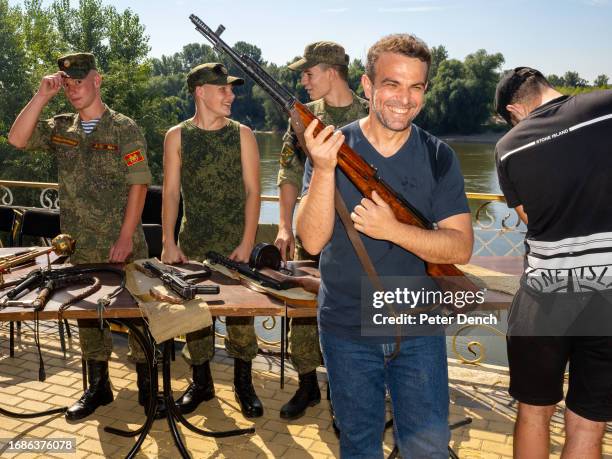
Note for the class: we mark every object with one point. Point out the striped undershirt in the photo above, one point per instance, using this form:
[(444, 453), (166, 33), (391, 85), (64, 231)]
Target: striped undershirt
[(89, 126)]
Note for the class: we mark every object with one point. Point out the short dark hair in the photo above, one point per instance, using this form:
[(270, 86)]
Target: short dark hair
[(532, 86), (518, 85), (341, 69), (399, 43)]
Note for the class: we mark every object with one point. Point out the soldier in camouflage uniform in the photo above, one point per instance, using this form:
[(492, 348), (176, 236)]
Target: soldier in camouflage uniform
[(214, 162), (324, 70), (103, 178)]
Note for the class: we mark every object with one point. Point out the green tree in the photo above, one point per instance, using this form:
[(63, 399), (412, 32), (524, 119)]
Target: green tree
[(461, 93), (438, 55), (573, 79), (85, 28), (355, 71), (33, 37), (14, 86), (126, 37), (555, 80), (601, 81)]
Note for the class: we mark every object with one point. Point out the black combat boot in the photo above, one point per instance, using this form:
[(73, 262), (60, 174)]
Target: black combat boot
[(200, 390), (308, 394), (143, 381), (97, 394), (250, 405)]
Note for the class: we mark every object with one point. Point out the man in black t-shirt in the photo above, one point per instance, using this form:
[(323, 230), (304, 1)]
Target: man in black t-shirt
[(554, 168)]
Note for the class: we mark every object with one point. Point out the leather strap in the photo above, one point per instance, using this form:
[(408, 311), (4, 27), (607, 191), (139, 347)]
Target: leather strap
[(358, 245), (365, 260)]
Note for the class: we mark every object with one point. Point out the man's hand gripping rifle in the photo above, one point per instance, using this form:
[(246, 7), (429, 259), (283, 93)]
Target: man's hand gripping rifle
[(362, 175)]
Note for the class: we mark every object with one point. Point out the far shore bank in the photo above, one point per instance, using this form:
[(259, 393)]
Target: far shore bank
[(484, 137)]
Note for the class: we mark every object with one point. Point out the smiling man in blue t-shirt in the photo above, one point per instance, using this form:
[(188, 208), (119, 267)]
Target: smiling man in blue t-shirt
[(426, 172)]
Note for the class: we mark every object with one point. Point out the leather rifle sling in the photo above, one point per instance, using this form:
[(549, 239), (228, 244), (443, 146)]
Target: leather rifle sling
[(356, 241), (364, 258), (343, 213)]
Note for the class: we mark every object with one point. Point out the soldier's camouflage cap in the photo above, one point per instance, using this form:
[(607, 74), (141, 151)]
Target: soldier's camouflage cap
[(211, 73), (77, 65), (321, 52)]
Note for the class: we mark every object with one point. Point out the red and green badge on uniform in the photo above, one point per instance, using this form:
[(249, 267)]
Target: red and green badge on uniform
[(134, 157)]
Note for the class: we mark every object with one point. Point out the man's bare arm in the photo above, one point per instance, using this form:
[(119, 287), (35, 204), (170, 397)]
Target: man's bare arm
[(521, 214), (249, 154), (285, 240), (171, 195), (124, 245), (315, 217), (25, 123)]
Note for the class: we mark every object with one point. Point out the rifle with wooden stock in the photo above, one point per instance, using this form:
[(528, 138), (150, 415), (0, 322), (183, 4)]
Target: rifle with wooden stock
[(361, 174)]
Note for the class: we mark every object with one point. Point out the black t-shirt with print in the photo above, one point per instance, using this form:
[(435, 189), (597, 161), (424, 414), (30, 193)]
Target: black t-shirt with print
[(557, 164)]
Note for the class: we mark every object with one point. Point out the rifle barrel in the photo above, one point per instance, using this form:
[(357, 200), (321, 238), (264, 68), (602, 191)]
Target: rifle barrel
[(248, 65)]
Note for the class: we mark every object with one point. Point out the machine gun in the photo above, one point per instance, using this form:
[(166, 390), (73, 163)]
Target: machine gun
[(51, 279), (250, 272), (178, 281), (48, 282)]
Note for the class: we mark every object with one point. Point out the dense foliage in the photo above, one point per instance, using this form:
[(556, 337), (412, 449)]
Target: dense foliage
[(153, 91)]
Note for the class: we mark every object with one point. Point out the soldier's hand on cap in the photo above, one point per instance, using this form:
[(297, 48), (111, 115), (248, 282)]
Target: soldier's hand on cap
[(120, 250), (285, 241), (51, 84), (324, 146), (172, 255)]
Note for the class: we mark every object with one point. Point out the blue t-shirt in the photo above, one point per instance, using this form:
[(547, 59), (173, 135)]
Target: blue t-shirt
[(425, 171)]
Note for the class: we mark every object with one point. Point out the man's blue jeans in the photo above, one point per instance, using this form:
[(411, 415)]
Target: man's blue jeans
[(417, 380)]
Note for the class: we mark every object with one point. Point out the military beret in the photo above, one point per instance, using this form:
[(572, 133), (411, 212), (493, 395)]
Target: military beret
[(321, 52), (211, 73), (77, 65)]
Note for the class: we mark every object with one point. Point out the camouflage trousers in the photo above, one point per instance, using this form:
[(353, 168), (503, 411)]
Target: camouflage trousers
[(240, 341), (97, 344), (303, 331), (304, 344)]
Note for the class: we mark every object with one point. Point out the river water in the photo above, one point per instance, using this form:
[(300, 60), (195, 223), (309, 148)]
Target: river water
[(477, 164)]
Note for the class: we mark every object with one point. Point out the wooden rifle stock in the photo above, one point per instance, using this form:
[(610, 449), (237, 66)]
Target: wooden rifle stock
[(366, 180)]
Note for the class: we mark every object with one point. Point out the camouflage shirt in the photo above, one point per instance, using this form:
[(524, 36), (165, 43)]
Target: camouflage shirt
[(292, 158), (95, 174), (213, 192)]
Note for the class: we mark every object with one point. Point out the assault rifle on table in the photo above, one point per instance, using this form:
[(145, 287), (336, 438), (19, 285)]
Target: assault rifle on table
[(178, 281), (360, 173), (252, 273), (52, 279), (48, 282)]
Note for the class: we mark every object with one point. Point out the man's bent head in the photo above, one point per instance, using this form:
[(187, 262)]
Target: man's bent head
[(517, 92)]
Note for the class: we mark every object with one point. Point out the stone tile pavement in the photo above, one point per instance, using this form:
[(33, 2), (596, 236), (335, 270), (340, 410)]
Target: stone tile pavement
[(479, 393)]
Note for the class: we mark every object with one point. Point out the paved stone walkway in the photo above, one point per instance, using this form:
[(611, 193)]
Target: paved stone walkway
[(479, 393)]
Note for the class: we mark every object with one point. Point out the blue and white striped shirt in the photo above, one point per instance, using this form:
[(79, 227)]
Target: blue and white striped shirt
[(89, 126)]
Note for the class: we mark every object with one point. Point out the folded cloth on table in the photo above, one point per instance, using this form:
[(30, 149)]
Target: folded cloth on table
[(169, 318)]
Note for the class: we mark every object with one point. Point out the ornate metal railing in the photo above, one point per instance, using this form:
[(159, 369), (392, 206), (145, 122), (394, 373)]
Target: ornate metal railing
[(48, 197), (497, 231)]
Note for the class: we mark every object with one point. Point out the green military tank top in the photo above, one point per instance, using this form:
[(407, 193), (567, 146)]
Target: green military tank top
[(212, 188)]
